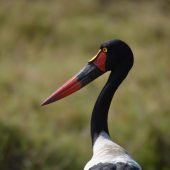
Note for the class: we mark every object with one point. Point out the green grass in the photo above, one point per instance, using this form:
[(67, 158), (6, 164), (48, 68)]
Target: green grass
[(44, 43)]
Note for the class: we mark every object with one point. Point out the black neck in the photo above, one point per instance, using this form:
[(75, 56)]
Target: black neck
[(101, 108)]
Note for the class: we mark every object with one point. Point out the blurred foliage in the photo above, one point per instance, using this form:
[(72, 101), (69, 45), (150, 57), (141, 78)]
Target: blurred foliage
[(13, 150), (43, 43)]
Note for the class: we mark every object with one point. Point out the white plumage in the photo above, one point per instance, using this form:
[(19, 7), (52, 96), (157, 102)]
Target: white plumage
[(106, 151)]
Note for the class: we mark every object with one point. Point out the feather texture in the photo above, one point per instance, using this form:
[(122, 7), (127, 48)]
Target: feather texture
[(107, 153)]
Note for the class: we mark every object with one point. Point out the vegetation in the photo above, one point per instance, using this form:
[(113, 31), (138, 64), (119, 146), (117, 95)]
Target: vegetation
[(43, 43)]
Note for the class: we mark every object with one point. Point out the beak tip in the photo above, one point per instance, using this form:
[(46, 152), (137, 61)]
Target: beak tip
[(49, 100), (44, 103)]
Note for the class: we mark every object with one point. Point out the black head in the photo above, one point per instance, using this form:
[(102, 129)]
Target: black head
[(118, 54)]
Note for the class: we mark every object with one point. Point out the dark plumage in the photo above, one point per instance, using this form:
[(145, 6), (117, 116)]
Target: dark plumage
[(117, 166)]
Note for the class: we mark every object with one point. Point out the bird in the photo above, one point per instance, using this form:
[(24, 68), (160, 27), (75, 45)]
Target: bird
[(117, 57)]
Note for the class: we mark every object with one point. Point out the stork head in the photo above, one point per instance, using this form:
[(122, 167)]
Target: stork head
[(112, 55)]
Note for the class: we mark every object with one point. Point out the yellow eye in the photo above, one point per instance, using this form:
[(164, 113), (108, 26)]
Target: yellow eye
[(105, 49)]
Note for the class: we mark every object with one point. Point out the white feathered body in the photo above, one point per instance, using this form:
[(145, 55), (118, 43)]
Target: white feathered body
[(106, 151)]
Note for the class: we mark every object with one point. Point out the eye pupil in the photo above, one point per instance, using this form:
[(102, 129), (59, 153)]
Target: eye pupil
[(105, 50)]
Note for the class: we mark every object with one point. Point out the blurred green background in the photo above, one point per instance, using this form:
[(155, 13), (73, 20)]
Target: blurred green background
[(43, 43)]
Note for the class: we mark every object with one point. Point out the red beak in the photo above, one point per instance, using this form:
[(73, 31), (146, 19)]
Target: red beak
[(90, 72)]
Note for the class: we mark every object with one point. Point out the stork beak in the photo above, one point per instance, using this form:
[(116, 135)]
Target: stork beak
[(94, 69)]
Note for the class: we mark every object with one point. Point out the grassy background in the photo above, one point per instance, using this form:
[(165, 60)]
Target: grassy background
[(43, 43)]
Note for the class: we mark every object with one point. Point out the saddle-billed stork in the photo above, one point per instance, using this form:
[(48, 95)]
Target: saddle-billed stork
[(117, 57)]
